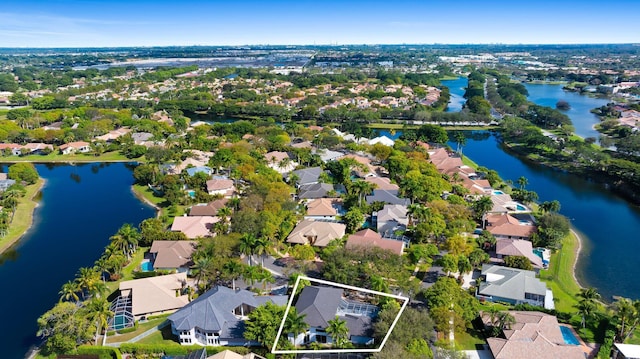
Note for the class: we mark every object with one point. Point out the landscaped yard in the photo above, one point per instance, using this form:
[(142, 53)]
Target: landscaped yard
[(142, 327), (559, 276), (163, 336), (469, 339), (127, 272), (23, 217), (80, 157)]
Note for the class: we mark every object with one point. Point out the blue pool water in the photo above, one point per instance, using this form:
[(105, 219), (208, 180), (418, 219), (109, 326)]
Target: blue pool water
[(568, 336), (146, 266), (498, 192), (191, 193), (521, 208)]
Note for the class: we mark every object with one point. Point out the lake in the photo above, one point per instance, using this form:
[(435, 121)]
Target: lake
[(80, 208), (457, 89), (609, 223), (581, 105)]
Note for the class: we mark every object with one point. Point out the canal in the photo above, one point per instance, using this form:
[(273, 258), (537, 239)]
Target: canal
[(81, 206)]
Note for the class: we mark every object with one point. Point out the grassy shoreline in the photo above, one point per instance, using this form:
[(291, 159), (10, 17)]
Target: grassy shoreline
[(144, 194), (60, 158), (561, 277), (23, 218)]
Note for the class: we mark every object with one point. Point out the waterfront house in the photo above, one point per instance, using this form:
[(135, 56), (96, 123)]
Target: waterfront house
[(114, 135), (217, 317), (172, 255), (513, 286), (208, 209), (316, 233), (506, 226), (73, 147), (518, 247), (195, 226), (534, 335), (367, 238), (154, 295), (6, 183), (319, 305)]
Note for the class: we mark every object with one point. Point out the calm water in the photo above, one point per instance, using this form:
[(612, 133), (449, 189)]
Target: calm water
[(80, 208), (583, 120), (457, 89), (610, 224)]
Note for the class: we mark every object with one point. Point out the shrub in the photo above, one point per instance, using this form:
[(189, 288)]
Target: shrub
[(102, 352)]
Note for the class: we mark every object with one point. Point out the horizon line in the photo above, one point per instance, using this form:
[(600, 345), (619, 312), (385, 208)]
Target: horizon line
[(322, 45)]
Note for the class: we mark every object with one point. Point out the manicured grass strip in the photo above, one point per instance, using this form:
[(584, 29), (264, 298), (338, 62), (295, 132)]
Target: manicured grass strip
[(58, 157), (142, 327), (559, 277), (469, 339), (23, 217)]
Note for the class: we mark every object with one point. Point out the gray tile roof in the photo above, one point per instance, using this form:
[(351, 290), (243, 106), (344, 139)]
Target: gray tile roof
[(213, 311), (315, 190), (387, 196), (510, 283), (308, 175), (319, 304)]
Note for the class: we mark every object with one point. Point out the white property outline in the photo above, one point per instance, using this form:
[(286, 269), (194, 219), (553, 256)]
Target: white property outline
[(340, 285)]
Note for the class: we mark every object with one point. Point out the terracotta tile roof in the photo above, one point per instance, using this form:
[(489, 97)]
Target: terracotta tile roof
[(172, 254), (367, 238), (383, 183), (209, 209), (323, 207), (507, 225), (193, 227), (518, 247), (155, 294)]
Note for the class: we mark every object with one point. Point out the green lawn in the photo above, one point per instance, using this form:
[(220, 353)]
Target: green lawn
[(127, 272), (58, 157), (469, 339), (142, 327), (559, 276), (163, 336), (23, 217)]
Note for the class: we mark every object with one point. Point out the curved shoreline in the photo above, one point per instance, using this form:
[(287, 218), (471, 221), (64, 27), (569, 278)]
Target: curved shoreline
[(142, 198), (577, 255), (30, 202)]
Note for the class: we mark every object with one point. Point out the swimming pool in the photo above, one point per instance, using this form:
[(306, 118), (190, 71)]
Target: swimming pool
[(496, 192), (146, 266), (568, 336), (521, 207)]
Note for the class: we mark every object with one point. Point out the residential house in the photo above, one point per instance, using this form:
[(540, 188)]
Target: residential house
[(367, 238), (365, 169), (533, 335), (392, 218), (384, 140), (387, 196), (383, 183), (172, 255), (114, 135), (625, 351), (514, 286), (208, 209), (195, 226), (16, 150), (316, 233), (221, 186), (6, 183), (155, 295), (217, 317), (319, 305), (191, 171), (73, 147), (518, 247), (316, 190), (141, 138), (503, 203), (324, 208), (509, 227), (280, 162), (305, 176), (196, 354), (37, 148), (329, 155)]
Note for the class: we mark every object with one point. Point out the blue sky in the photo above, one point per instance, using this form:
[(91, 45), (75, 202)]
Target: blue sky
[(83, 23)]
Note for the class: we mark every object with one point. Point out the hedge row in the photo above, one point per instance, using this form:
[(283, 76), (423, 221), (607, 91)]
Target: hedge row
[(102, 352), (174, 349)]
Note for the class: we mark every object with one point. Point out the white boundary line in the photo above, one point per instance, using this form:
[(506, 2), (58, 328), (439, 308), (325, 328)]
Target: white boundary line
[(286, 313)]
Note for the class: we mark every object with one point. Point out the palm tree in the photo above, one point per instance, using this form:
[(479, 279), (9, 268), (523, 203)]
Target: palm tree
[(224, 213), (260, 247), (338, 331), (86, 279), (586, 309), (252, 274), (99, 312), (126, 239), (505, 320), (361, 189), (69, 291), (201, 267), (625, 312), (295, 324), (523, 182), (265, 277), (247, 245), (379, 284), (233, 269)]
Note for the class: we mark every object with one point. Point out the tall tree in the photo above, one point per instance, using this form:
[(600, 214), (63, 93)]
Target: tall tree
[(338, 331)]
